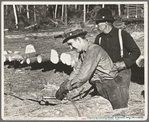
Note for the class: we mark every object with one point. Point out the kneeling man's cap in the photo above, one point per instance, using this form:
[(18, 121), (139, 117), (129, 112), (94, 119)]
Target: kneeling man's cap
[(72, 33)]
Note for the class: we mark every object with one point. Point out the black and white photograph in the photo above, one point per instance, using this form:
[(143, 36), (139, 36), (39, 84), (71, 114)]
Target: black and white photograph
[(73, 60)]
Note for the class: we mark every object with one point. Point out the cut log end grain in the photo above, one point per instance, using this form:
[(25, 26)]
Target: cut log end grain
[(28, 61), (22, 62), (66, 59), (14, 57), (31, 60), (54, 56), (62, 58), (39, 59), (30, 49), (69, 58)]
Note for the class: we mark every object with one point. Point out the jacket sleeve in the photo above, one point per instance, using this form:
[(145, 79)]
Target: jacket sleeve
[(131, 47), (89, 65), (75, 71)]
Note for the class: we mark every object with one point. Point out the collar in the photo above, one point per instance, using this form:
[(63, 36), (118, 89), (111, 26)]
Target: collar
[(112, 31)]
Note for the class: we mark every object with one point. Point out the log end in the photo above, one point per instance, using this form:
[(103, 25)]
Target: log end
[(30, 49), (9, 58), (21, 62), (39, 58), (28, 61), (62, 58), (68, 59), (54, 56)]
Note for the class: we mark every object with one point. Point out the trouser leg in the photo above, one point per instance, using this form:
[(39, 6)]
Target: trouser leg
[(126, 76), (115, 93)]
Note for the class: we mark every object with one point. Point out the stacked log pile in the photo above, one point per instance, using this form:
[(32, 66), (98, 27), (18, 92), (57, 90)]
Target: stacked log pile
[(40, 52)]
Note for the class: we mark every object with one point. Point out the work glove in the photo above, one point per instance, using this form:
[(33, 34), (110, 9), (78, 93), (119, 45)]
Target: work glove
[(120, 65), (62, 91)]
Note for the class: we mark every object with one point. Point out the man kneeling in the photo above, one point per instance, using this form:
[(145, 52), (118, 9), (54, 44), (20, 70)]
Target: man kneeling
[(95, 66)]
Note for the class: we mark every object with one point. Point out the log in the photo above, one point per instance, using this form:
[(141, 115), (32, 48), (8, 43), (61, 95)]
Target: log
[(31, 26), (28, 55), (43, 58), (6, 55), (29, 49), (14, 57), (31, 60), (69, 58), (52, 56)]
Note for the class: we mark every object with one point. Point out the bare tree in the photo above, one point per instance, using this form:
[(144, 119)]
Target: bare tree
[(15, 14), (27, 12), (55, 11), (119, 9), (66, 15), (34, 13), (84, 13), (62, 13)]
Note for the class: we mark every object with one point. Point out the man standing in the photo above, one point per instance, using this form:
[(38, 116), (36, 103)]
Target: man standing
[(95, 66), (121, 47)]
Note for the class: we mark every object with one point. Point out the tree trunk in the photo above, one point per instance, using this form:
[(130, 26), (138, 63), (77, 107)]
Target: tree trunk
[(87, 9), (15, 14), (55, 11), (136, 11), (65, 15), (47, 7), (62, 13), (20, 8), (119, 9), (76, 7), (127, 11), (84, 13), (34, 13), (27, 12), (103, 5)]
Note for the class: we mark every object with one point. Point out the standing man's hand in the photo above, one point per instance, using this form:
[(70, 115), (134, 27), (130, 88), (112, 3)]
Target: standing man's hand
[(120, 65)]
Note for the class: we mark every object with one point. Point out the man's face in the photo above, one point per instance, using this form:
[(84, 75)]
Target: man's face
[(102, 26), (75, 44)]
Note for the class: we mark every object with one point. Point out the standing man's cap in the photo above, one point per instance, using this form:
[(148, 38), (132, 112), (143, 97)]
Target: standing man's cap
[(104, 15), (73, 32)]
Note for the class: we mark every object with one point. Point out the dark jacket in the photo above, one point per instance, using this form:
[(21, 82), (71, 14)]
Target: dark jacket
[(110, 43)]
